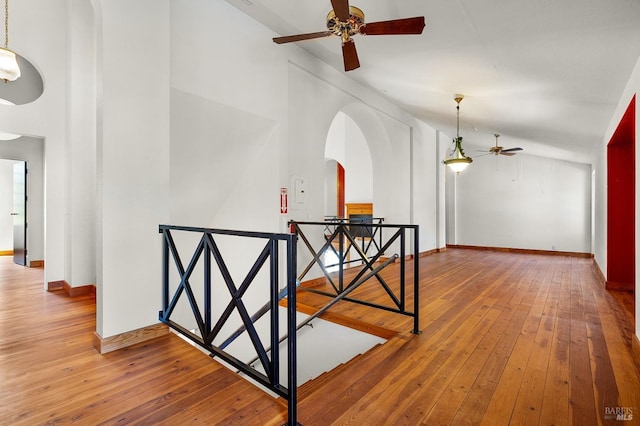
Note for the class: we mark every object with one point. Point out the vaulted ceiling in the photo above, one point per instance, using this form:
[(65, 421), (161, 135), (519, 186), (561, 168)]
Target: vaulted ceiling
[(544, 74)]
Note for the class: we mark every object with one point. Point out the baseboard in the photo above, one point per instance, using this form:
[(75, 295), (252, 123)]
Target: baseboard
[(432, 251), (421, 254), (598, 272), (56, 285), (71, 291), (80, 290), (407, 258), (36, 264), (635, 346), (133, 337), (612, 285), (523, 251), (6, 252)]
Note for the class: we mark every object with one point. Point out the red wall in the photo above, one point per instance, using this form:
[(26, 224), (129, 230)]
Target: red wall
[(621, 203), (340, 190)]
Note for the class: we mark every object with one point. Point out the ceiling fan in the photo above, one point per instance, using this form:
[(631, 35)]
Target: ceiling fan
[(346, 21), (498, 150)]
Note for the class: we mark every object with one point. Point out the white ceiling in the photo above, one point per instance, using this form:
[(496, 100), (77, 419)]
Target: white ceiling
[(544, 74)]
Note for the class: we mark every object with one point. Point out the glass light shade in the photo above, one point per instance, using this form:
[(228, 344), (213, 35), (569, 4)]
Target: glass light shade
[(458, 161), (457, 165), (9, 69)]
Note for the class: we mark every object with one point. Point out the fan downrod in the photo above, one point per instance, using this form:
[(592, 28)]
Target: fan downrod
[(496, 149)]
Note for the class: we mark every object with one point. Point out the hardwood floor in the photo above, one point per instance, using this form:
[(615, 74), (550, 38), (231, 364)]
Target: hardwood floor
[(506, 339)]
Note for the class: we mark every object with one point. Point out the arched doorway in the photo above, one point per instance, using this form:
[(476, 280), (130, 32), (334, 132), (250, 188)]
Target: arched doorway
[(348, 166)]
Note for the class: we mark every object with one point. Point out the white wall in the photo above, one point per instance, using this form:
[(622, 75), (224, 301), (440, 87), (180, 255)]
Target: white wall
[(334, 152), (600, 206), (235, 154), (46, 22), (229, 115), (133, 160), (336, 139), (358, 173), (526, 202), (6, 205), (600, 250), (427, 168), (331, 188), (80, 241)]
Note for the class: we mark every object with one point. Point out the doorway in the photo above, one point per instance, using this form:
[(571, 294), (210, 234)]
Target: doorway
[(13, 234), (621, 203), (29, 151), (349, 167)]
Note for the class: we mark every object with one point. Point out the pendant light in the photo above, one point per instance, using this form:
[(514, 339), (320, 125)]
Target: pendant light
[(9, 69), (457, 161)]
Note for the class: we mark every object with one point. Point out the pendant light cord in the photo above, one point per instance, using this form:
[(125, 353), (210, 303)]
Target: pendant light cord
[(458, 120), (6, 24)]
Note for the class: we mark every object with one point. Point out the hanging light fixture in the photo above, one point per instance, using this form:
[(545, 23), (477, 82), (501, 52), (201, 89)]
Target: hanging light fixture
[(9, 69), (457, 161)]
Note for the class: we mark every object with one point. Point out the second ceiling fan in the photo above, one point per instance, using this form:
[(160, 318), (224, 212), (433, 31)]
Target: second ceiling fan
[(346, 21), (498, 150)]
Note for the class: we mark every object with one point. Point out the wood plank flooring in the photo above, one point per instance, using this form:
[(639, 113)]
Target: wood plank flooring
[(507, 338)]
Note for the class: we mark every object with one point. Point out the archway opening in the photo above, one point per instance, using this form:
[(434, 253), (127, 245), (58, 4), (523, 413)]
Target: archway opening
[(621, 203), (348, 167)]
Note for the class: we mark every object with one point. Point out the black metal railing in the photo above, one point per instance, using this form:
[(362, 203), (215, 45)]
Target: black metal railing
[(367, 237), (211, 314), (339, 240)]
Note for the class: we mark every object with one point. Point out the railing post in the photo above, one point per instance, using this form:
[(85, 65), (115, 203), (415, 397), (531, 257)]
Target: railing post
[(274, 321), (291, 325), (403, 259), (343, 256), (207, 288), (416, 280), (165, 270)]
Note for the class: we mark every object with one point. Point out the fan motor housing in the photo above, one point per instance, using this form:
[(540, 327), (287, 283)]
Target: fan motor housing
[(351, 27)]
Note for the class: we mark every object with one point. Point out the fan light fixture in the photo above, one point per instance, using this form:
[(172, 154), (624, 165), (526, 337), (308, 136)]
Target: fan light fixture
[(457, 161), (9, 69)]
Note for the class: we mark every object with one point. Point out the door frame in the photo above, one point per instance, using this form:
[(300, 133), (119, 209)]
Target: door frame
[(621, 189), (19, 213)]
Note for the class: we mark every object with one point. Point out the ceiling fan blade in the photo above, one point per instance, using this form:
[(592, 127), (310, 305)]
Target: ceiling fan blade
[(350, 56), (396, 26), (508, 154), (300, 37), (341, 9), (512, 149)]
